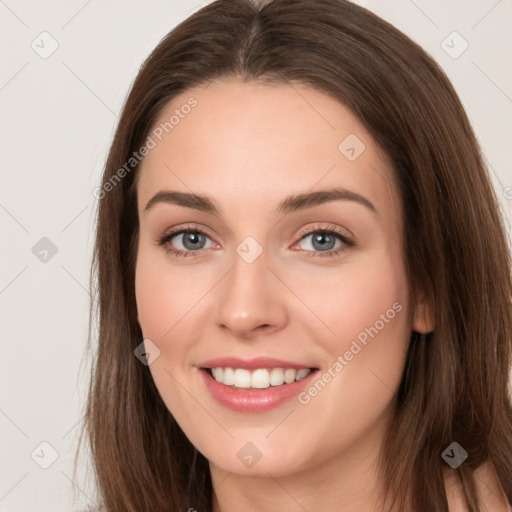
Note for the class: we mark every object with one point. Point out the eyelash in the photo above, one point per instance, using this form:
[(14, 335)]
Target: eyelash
[(163, 241)]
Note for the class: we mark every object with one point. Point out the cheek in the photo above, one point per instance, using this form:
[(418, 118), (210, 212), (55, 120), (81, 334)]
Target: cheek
[(366, 329), (357, 298), (155, 301), (373, 304), (162, 297), (367, 312)]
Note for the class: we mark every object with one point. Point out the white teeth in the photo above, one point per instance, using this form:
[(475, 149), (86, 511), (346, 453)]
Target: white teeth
[(261, 378), (289, 375), (276, 377), (242, 378), (229, 377), (302, 373), (218, 374)]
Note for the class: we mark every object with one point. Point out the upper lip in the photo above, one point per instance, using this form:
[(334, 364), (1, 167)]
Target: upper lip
[(251, 364)]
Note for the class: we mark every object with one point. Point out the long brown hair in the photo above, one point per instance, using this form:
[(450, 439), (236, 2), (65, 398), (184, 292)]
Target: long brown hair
[(454, 386)]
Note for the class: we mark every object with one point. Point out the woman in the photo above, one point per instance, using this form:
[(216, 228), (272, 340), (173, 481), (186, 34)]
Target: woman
[(303, 278)]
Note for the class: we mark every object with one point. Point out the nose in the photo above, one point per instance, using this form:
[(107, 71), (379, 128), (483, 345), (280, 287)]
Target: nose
[(251, 301)]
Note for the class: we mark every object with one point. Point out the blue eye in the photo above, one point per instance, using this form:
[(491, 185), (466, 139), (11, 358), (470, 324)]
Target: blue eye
[(323, 242), (193, 241)]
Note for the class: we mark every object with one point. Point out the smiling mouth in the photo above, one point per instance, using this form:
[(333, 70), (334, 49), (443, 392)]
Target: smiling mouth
[(261, 378)]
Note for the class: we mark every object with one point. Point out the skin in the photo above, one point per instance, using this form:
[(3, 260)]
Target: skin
[(247, 146)]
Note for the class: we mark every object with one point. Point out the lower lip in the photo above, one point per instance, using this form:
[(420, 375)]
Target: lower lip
[(254, 400)]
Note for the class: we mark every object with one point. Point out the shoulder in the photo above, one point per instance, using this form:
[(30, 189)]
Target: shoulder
[(492, 497)]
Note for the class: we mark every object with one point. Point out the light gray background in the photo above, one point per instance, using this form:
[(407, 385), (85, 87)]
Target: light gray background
[(58, 115)]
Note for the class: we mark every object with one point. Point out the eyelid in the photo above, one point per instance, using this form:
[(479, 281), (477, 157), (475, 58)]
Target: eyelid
[(179, 230), (323, 226), (343, 234), (186, 227), (306, 230)]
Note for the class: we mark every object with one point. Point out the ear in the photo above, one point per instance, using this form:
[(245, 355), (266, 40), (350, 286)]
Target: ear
[(423, 315)]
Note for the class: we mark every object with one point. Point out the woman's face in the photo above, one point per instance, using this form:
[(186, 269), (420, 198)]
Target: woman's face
[(293, 261)]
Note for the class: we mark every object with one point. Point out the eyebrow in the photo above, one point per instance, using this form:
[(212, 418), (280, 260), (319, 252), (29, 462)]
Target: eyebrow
[(292, 203)]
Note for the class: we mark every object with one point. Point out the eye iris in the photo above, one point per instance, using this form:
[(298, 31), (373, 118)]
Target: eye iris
[(320, 238), (194, 238)]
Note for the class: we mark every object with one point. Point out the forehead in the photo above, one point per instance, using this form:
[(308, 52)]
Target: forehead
[(253, 142)]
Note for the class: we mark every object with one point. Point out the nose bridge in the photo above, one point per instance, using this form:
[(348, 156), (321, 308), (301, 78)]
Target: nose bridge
[(250, 298)]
